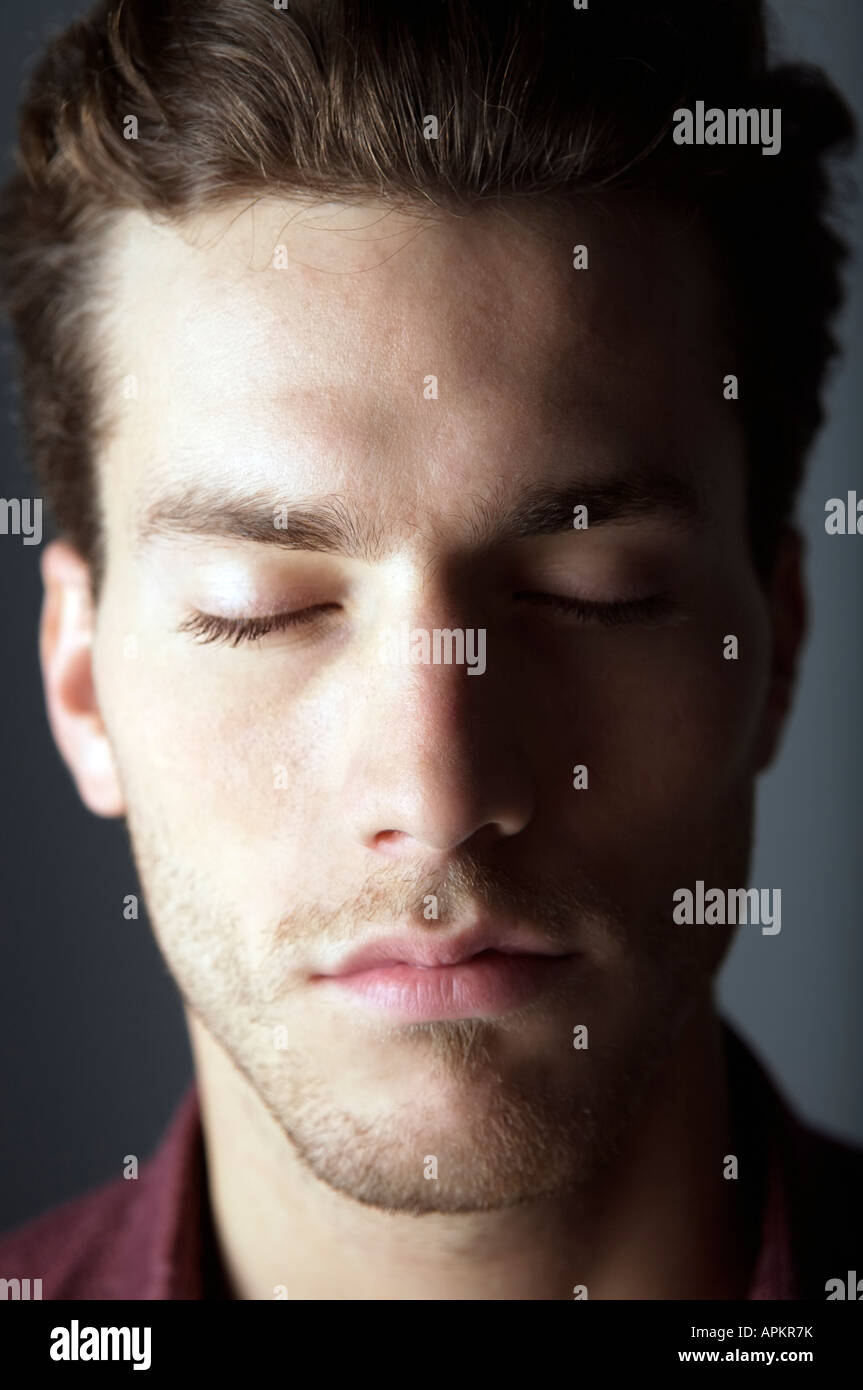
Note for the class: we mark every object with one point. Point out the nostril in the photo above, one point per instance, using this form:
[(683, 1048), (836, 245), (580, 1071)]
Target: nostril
[(385, 838)]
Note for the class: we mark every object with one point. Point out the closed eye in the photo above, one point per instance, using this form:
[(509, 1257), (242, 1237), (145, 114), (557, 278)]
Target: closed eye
[(612, 614), (207, 627)]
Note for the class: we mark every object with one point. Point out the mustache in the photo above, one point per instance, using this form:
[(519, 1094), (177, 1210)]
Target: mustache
[(468, 886)]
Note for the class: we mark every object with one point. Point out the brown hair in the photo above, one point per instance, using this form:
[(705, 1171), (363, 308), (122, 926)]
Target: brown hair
[(534, 99)]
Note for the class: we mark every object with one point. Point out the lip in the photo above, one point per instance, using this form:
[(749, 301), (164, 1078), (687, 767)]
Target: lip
[(474, 975), (429, 952)]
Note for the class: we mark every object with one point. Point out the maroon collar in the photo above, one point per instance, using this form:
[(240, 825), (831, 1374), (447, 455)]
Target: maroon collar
[(183, 1259), (764, 1131)]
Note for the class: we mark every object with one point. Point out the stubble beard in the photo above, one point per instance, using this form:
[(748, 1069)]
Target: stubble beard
[(501, 1136)]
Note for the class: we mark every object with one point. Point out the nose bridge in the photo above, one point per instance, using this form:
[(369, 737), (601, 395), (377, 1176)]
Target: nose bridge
[(431, 706), (429, 658), (434, 757)]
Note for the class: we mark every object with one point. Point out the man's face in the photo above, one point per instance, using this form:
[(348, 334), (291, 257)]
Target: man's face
[(293, 797)]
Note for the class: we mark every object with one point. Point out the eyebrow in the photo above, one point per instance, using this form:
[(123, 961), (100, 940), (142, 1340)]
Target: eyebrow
[(328, 524)]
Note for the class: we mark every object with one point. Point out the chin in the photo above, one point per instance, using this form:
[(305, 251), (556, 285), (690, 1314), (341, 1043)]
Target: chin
[(450, 1141)]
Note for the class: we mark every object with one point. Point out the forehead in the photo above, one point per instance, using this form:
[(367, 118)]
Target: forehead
[(357, 346)]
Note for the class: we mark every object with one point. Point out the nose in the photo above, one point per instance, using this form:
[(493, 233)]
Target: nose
[(437, 759)]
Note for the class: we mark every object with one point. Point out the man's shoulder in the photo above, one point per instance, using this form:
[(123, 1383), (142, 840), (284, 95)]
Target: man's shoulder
[(63, 1244), (829, 1168), (840, 1158), (116, 1239), (823, 1182)]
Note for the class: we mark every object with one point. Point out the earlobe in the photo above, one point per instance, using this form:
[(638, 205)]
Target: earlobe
[(788, 623), (66, 658)]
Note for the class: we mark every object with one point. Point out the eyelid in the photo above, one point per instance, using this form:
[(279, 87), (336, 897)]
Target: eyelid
[(611, 612), (211, 628)]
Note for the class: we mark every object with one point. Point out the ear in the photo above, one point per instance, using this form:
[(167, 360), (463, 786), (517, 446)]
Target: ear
[(789, 613), (66, 657)]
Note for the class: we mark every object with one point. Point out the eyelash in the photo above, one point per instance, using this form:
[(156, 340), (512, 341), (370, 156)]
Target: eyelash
[(231, 632), (611, 614)]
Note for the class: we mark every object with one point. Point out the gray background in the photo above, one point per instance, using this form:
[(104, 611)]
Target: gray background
[(95, 1051)]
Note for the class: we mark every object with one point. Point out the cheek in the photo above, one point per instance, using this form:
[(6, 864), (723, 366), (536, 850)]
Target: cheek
[(666, 723), (219, 751), (221, 794)]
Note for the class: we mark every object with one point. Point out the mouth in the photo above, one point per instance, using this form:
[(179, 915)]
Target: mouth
[(422, 981)]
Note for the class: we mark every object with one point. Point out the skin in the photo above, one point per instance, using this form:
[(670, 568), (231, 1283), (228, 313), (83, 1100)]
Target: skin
[(556, 1167)]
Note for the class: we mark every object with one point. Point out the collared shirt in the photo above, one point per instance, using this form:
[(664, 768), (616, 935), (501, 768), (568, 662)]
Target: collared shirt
[(154, 1237)]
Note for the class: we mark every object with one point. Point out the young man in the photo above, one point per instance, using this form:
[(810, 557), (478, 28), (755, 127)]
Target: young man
[(422, 401)]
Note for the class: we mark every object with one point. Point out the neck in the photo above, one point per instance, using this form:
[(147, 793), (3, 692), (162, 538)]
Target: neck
[(660, 1222)]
